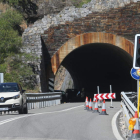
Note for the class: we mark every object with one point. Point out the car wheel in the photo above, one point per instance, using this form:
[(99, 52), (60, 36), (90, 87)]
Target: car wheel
[(26, 109), (20, 111)]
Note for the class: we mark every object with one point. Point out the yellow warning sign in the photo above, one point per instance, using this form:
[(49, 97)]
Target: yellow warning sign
[(131, 127), (138, 72)]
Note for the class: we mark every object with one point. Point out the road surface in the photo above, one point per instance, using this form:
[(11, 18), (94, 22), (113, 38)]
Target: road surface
[(67, 121)]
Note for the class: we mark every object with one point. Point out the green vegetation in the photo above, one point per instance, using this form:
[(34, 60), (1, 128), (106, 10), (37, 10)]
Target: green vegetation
[(13, 62), (10, 41), (26, 7), (79, 3), (12, 2)]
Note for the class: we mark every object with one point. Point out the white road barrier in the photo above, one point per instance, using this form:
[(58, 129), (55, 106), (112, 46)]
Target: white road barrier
[(105, 96), (128, 105)]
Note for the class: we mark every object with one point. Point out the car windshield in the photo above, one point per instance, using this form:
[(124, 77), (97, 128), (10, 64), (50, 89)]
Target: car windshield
[(8, 88)]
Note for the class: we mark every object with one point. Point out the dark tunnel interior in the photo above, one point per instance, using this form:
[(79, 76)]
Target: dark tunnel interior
[(100, 64)]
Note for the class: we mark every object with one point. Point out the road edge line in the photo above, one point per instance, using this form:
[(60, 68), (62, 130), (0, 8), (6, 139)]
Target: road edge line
[(114, 126)]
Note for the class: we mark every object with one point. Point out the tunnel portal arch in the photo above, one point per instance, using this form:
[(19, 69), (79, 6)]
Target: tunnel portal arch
[(88, 38), (103, 44)]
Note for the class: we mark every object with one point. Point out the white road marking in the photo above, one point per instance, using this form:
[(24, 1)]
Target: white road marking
[(16, 118), (114, 127), (21, 138)]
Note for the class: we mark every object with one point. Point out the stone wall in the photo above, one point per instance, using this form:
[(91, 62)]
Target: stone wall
[(123, 21), (48, 6), (98, 8), (116, 17)]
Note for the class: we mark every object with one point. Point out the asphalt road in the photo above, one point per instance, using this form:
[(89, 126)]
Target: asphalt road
[(63, 122)]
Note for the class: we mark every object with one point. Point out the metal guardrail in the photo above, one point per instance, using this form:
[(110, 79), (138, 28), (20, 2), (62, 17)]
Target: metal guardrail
[(128, 104), (41, 100)]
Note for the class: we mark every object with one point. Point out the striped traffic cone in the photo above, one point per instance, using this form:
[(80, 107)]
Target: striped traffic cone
[(103, 109), (90, 105), (94, 100), (87, 104), (136, 133), (96, 107)]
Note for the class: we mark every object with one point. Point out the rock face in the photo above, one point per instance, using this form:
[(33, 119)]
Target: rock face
[(31, 35), (68, 82), (59, 78), (63, 79), (46, 7)]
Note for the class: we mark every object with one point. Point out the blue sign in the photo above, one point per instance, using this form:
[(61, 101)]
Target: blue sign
[(134, 74)]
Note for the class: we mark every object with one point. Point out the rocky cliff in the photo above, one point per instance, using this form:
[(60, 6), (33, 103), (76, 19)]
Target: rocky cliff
[(63, 79)]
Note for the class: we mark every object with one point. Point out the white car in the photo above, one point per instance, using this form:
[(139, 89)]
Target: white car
[(13, 98)]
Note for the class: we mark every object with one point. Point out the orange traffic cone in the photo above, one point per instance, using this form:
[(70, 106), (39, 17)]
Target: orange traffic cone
[(136, 133), (86, 100), (103, 109), (94, 100), (96, 107), (90, 105), (87, 104)]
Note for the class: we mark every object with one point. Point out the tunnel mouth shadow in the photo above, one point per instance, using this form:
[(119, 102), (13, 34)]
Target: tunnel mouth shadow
[(100, 64)]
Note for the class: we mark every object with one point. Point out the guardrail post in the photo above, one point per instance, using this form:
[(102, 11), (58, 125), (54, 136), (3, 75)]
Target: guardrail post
[(39, 103), (34, 104), (45, 101), (42, 102), (30, 103)]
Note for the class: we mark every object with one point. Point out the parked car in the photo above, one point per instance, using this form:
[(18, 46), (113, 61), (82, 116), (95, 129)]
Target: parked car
[(71, 94), (63, 99), (13, 98)]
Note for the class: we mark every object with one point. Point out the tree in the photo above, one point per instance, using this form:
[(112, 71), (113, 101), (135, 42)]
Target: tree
[(26, 7), (10, 41), (14, 63), (17, 70)]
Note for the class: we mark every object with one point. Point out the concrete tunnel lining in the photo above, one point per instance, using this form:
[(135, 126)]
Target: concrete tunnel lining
[(100, 64)]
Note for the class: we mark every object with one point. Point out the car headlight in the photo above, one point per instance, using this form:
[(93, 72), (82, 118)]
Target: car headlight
[(16, 97)]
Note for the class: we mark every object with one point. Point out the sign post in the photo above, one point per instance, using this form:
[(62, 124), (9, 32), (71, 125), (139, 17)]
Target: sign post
[(1, 78), (136, 66), (111, 99), (136, 75), (138, 107), (137, 89), (98, 89), (98, 100)]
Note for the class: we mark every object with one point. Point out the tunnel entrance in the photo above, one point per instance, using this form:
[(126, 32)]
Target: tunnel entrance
[(100, 64)]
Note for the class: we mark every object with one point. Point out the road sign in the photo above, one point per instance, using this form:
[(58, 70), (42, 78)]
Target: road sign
[(138, 72), (136, 58), (134, 74), (105, 96)]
